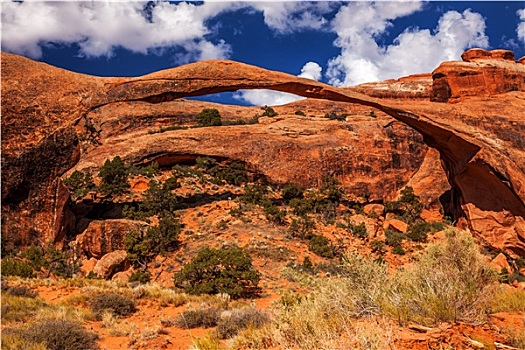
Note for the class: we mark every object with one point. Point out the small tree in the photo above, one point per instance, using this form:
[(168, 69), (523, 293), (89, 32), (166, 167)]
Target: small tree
[(215, 271), (141, 248), (292, 191), (79, 184), (321, 246), (114, 176), (268, 112), (209, 117)]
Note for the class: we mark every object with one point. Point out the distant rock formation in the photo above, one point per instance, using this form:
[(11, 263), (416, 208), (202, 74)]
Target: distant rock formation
[(482, 73), (45, 110)]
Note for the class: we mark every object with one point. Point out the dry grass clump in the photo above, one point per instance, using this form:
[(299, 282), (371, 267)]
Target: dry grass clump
[(507, 299), (205, 318), (19, 308), (234, 321), (53, 334), (111, 302), (161, 295), (450, 282), (209, 342)]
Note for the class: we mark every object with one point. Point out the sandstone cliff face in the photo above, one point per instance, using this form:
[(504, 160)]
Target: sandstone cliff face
[(482, 73), (474, 154)]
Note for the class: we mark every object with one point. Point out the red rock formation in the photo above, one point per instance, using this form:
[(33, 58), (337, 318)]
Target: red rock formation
[(482, 73), (110, 264), (417, 86), (485, 165), (104, 236)]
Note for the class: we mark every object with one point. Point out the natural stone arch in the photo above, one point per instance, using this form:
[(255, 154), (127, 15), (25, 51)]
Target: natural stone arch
[(55, 108)]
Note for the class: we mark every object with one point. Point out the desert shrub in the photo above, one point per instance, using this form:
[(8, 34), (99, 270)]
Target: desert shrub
[(233, 173), (142, 247), (301, 228), (448, 283), (159, 199), (140, 276), (515, 336), (164, 237), (79, 184), (209, 117), (398, 250), (331, 189), (117, 304), (35, 257), (114, 177), (149, 170), (61, 263), (254, 194), (298, 112), (215, 271), (321, 246), (15, 267), (137, 248), (372, 114), (301, 206), (357, 230), (59, 334), (334, 116), (239, 320), (418, 231), (274, 214), (204, 318), (408, 208), (507, 300), (12, 341), (377, 246), (268, 112), (209, 341), (394, 238), (292, 191), (19, 308), (21, 291), (364, 279), (205, 163)]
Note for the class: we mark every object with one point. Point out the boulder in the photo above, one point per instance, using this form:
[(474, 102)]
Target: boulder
[(110, 264), (378, 209), (87, 266), (500, 262), (122, 276), (104, 236), (397, 225)]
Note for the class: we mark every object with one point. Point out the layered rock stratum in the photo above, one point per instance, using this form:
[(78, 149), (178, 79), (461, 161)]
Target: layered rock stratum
[(55, 121)]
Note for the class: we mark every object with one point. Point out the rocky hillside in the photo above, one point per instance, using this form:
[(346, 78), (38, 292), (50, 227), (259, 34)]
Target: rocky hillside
[(55, 121)]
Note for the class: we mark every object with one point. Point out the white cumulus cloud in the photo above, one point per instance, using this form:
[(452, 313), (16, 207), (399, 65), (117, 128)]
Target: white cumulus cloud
[(521, 26), (98, 27), (311, 70), (265, 97), (286, 17), (359, 25)]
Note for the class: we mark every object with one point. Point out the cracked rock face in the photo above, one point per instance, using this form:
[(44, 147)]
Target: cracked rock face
[(479, 137)]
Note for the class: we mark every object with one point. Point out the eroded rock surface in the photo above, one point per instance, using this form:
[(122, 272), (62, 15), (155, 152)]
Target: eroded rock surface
[(482, 73), (104, 236), (44, 110)]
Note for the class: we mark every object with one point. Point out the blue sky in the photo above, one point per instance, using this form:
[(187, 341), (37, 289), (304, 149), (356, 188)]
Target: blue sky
[(339, 43)]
